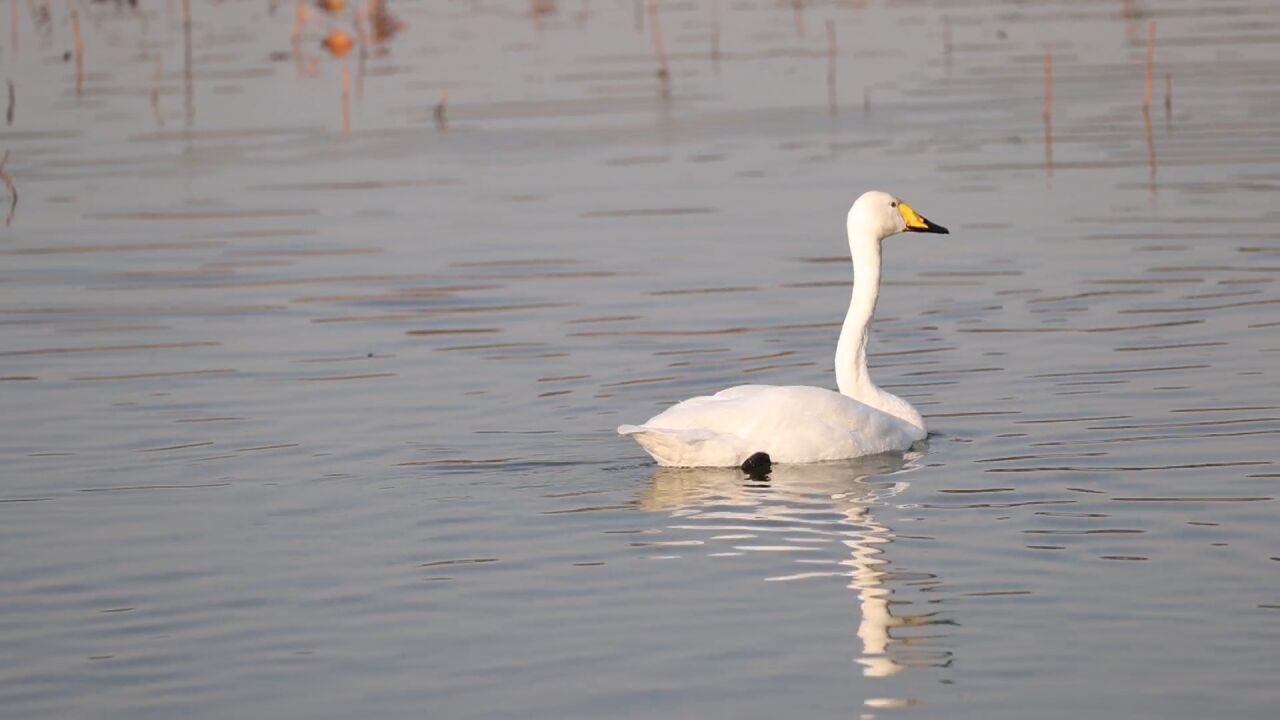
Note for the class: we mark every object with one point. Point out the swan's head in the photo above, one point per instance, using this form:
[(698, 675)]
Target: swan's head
[(880, 215)]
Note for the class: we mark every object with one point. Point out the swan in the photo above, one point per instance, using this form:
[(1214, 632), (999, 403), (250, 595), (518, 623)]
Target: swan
[(753, 426)]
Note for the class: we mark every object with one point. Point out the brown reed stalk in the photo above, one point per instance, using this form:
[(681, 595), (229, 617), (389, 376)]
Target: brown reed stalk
[(13, 103), (1168, 98), (1151, 152), (1151, 59), (383, 25), (1047, 111), (1048, 83), (79, 48), (659, 50), (832, 106), (13, 189), (1048, 147), (441, 110), (295, 36), (715, 36), (362, 36), (155, 92), (946, 39), (188, 82), (13, 25), (797, 7), (299, 17), (535, 14)]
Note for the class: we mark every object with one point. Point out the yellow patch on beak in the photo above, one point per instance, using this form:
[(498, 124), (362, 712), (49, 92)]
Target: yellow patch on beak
[(911, 217), (916, 223)]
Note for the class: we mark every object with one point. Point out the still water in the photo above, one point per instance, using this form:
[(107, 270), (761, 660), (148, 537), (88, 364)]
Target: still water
[(306, 423)]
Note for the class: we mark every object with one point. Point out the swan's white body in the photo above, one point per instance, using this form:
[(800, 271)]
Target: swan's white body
[(795, 423)]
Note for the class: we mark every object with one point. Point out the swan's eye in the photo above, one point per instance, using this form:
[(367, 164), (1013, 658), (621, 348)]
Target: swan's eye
[(893, 204)]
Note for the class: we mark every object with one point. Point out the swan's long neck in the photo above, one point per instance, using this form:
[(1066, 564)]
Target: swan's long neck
[(851, 352)]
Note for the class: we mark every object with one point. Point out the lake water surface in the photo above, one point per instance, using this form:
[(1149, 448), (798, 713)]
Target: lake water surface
[(305, 423)]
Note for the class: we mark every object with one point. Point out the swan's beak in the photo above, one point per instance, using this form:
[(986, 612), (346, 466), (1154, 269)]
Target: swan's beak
[(917, 223)]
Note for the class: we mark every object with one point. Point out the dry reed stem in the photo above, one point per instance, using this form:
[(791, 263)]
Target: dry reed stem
[(299, 17), (542, 7), (715, 36), (1047, 111), (535, 14), (1168, 98), (362, 36), (384, 26), (832, 105), (371, 10), (155, 92), (1048, 147), (798, 7), (441, 110), (946, 39), (295, 36), (79, 48), (659, 50), (1048, 83), (13, 103), (358, 13), (1151, 58), (13, 25), (188, 84), (144, 20), (1151, 152), (13, 189)]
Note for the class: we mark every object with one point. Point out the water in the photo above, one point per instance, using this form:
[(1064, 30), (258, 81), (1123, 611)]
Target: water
[(305, 423)]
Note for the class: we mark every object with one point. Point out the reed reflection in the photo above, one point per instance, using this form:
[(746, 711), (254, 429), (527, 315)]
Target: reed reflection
[(804, 511), (1151, 152), (1047, 112)]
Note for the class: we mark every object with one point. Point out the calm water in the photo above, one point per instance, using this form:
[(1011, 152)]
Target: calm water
[(306, 423)]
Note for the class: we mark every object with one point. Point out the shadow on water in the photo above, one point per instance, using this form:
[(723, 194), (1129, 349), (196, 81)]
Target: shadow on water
[(822, 516)]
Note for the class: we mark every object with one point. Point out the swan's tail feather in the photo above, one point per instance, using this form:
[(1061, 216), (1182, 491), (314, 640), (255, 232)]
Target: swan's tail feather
[(685, 448)]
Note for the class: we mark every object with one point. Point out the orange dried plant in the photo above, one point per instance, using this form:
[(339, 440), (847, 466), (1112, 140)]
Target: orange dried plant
[(338, 43)]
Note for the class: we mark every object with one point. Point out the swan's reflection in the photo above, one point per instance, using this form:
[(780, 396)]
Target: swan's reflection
[(794, 504)]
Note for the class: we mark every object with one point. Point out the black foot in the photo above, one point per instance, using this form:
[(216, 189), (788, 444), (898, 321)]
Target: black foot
[(757, 464)]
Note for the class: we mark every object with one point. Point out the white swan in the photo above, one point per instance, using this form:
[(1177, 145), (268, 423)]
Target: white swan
[(759, 424)]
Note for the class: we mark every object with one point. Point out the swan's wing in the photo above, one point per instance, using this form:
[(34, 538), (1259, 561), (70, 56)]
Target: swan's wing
[(791, 423), (702, 412), (741, 391)]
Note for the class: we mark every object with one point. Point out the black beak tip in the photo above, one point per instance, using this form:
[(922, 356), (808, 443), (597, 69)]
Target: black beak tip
[(930, 227)]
